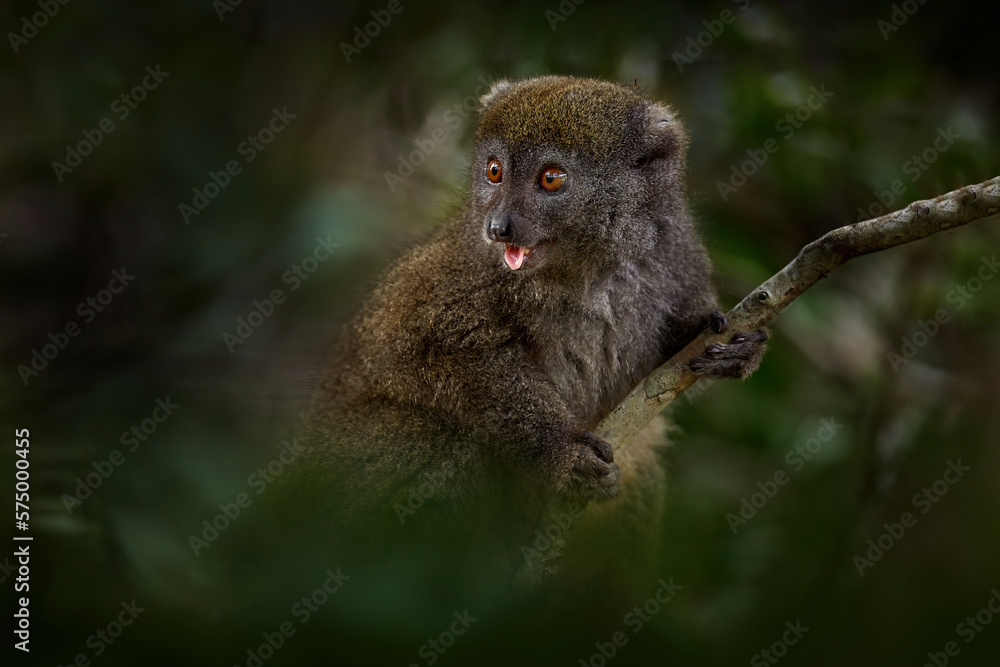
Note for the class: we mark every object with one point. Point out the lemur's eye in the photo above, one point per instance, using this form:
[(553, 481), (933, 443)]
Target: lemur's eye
[(552, 179), (494, 171)]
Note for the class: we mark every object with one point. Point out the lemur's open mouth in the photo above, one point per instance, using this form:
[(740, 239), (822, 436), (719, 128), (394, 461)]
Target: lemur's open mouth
[(515, 255)]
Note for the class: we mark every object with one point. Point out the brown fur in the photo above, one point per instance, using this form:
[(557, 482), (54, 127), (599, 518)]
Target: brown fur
[(490, 379)]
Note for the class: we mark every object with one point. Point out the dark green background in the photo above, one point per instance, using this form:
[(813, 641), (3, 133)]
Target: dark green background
[(324, 175)]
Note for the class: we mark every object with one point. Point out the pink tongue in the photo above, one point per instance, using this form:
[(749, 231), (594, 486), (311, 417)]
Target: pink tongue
[(514, 256)]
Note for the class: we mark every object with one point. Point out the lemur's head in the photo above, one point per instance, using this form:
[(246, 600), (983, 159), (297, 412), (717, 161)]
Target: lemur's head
[(570, 170)]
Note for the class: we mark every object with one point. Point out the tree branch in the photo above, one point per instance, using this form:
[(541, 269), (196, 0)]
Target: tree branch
[(661, 387)]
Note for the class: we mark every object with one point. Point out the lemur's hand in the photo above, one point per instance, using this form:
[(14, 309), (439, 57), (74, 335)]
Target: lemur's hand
[(590, 472), (736, 359)]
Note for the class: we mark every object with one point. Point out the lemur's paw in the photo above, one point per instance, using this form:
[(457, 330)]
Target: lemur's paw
[(736, 359), (592, 473)]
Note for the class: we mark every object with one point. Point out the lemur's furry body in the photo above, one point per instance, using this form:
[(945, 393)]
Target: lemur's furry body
[(515, 329)]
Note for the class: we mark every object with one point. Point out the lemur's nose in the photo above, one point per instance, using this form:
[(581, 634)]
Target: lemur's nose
[(501, 229)]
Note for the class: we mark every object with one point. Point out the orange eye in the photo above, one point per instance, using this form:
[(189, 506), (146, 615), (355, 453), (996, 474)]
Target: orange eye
[(494, 171), (552, 179)]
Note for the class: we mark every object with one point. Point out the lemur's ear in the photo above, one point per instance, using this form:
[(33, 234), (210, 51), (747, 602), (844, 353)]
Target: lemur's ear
[(664, 134), (498, 87)]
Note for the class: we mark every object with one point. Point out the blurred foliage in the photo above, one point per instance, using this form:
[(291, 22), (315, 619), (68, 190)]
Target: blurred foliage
[(324, 176)]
